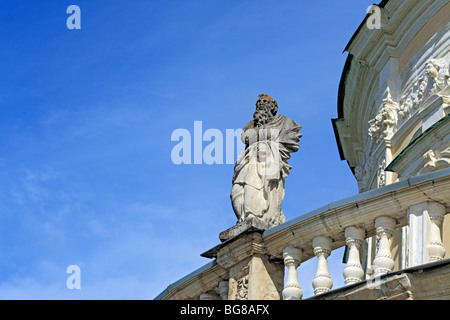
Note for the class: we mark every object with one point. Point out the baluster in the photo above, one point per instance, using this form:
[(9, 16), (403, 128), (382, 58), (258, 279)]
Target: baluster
[(223, 290), (435, 248), (353, 271), (383, 262), (292, 260), (322, 281)]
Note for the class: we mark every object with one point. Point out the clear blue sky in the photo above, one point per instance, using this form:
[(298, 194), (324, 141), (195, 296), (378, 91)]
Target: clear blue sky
[(86, 118)]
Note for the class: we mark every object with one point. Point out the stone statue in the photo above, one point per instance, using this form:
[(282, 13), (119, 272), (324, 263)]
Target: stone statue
[(260, 171)]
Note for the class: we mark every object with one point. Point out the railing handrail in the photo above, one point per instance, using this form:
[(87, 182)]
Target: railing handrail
[(361, 210)]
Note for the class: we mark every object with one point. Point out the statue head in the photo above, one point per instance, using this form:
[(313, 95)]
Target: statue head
[(432, 68), (266, 109)]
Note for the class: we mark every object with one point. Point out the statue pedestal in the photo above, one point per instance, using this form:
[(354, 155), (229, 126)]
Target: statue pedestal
[(241, 227), (253, 274)]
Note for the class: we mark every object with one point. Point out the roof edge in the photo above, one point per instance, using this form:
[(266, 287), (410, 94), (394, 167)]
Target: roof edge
[(340, 103), (382, 4)]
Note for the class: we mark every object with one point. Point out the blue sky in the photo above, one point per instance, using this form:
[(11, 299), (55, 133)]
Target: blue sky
[(86, 118)]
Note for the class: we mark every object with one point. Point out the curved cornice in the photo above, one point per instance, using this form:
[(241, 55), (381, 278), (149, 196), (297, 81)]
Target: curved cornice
[(370, 72)]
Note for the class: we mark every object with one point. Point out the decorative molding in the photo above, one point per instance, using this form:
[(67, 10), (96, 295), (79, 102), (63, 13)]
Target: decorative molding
[(436, 160), (382, 126), (433, 81), (242, 288), (382, 174), (363, 172), (432, 84)]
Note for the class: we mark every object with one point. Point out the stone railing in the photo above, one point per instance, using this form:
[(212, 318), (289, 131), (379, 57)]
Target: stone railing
[(349, 222), (245, 264)]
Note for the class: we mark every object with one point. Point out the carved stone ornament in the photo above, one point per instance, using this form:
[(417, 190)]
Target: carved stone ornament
[(382, 174), (362, 173), (436, 160), (382, 126), (433, 81), (242, 288), (260, 171)]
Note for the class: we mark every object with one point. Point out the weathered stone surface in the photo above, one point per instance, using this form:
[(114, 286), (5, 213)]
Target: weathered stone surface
[(260, 171), (241, 227), (253, 275)]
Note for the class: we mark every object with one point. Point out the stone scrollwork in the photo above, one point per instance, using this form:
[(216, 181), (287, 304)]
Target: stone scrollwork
[(382, 126), (438, 72), (433, 81), (362, 173), (242, 288), (382, 174), (410, 102), (436, 160)]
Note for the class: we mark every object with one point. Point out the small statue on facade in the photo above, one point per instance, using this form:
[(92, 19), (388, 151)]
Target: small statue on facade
[(260, 171)]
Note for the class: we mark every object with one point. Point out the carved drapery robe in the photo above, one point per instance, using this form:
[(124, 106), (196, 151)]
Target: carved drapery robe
[(260, 171)]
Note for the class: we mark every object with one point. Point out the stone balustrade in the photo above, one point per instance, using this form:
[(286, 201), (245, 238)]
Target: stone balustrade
[(354, 237), (292, 260), (255, 264), (322, 280), (353, 271), (351, 224), (436, 250)]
